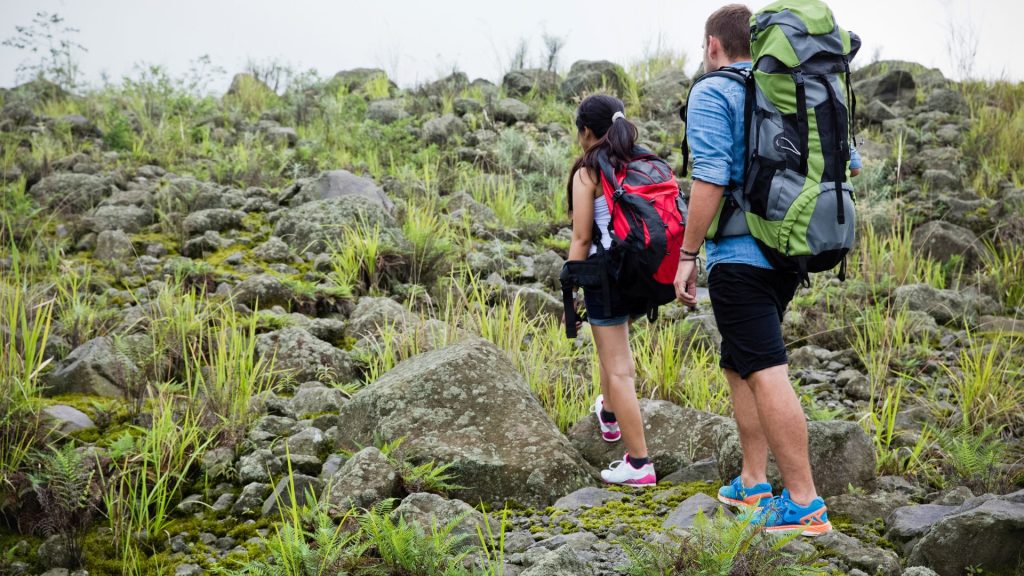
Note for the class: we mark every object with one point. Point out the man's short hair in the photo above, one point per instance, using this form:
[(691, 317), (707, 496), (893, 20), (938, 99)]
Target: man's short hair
[(731, 25)]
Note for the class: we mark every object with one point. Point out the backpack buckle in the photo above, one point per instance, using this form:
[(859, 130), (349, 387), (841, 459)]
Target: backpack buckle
[(618, 193)]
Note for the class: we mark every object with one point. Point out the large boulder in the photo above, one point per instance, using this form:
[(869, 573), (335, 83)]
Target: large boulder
[(521, 82), (357, 80), (841, 456), (510, 111), (943, 241), (113, 245), (685, 514), (466, 405), (366, 479), (386, 111), (895, 86), (985, 532), (336, 184), (429, 510), (373, 315), (907, 524), (212, 219), (665, 93), (243, 84), (587, 77), (96, 367), (263, 290), (300, 356), (676, 436), (943, 305), (859, 555), (72, 193), (128, 218), (443, 129), (314, 226)]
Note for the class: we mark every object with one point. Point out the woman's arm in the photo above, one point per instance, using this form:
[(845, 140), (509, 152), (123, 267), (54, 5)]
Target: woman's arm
[(584, 188)]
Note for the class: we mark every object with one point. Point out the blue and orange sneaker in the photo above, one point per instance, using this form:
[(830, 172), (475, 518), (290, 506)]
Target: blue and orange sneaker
[(782, 515), (736, 494)]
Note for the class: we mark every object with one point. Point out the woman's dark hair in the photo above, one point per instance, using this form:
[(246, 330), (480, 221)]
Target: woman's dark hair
[(616, 135)]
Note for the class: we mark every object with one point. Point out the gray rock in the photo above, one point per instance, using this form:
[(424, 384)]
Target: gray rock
[(276, 426), (704, 470), (521, 82), (114, 217), (263, 291), (188, 570), (535, 302), (919, 571), (356, 79), (372, 315), (548, 267), (576, 541), (430, 510), (212, 219), (54, 553), (877, 112), (201, 245), (906, 525), (591, 76), (992, 532), (511, 111), (866, 508), (250, 501), (939, 180), (300, 356), (461, 202), (259, 466), (946, 100), (897, 86), (218, 462), (72, 193), (113, 245), (665, 93), (244, 82), (273, 250), (684, 515), (943, 305), (50, 572), (191, 504), (942, 241), (305, 488), (464, 106), (841, 455), (95, 367), (856, 554), (314, 226), (467, 405), (386, 111), (443, 130), (366, 479), (281, 136), (307, 442), (561, 562), (66, 419), (314, 398), (336, 184), (589, 497), (676, 436)]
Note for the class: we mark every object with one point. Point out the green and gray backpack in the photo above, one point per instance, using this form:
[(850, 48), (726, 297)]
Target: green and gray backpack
[(796, 199)]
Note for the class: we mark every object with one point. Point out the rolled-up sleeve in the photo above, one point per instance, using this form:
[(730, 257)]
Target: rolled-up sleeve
[(709, 133)]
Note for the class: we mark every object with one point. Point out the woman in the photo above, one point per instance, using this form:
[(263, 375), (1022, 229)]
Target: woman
[(603, 129)]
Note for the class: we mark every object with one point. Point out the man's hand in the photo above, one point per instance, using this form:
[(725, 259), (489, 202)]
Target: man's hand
[(686, 282)]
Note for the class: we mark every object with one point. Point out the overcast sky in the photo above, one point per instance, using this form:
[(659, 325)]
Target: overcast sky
[(419, 40)]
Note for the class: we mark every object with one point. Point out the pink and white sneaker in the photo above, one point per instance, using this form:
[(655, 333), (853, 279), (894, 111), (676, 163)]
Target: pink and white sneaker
[(623, 473), (609, 430)]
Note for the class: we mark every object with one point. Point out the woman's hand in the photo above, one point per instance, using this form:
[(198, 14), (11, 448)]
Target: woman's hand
[(686, 282)]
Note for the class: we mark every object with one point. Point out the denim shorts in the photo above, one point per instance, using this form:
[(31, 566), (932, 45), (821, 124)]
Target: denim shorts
[(597, 312)]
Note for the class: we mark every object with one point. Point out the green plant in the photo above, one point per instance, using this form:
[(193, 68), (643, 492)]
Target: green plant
[(974, 457), (66, 490), (406, 548), (985, 380), (431, 237), (49, 40), (718, 545)]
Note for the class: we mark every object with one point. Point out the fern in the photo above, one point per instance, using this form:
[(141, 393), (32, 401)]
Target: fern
[(974, 457), (67, 492)]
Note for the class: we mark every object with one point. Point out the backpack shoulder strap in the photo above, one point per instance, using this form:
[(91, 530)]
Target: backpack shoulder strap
[(741, 75)]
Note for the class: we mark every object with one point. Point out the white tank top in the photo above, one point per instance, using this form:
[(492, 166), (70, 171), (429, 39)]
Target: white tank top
[(602, 217)]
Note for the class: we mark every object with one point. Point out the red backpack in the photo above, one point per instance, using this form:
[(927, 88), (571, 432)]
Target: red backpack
[(648, 218)]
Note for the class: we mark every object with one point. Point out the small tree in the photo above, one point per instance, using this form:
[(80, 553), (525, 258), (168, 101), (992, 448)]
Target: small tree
[(54, 54)]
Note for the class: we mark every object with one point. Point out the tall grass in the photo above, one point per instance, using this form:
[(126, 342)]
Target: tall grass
[(985, 379), (992, 145)]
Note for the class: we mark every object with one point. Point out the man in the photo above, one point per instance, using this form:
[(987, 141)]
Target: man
[(748, 296)]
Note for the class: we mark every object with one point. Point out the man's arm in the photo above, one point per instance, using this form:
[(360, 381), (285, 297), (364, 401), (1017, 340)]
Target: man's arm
[(704, 200)]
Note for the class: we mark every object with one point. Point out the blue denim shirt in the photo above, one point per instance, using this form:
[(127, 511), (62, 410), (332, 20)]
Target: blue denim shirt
[(715, 131)]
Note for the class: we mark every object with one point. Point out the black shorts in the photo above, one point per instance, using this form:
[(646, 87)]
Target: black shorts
[(612, 312), (749, 303)]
